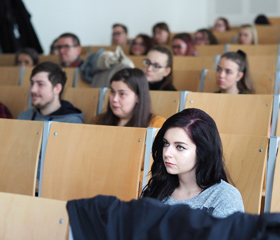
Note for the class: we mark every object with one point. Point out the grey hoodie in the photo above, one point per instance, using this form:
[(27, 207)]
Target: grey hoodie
[(66, 113)]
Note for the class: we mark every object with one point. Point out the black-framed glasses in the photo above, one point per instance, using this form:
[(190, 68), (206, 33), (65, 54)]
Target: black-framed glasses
[(138, 44), (155, 66), (177, 46), (67, 47), (117, 33)]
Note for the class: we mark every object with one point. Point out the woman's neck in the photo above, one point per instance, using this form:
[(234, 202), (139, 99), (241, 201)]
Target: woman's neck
[(123, 122), (187, 188), (232, 90)]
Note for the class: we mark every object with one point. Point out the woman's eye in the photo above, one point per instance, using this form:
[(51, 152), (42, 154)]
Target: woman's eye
[(180, 147), (165, 144), (228, 72)]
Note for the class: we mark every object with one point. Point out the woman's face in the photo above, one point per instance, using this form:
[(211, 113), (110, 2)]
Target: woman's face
[(179, 47), (138, 47), (161, 36), (200, 39), (220, 26), (156, 68), (227, 75), (245, 36), (24, 60), (179, 152), (122, 100)]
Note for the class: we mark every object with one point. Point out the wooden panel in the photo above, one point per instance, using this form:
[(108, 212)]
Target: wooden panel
[(210, 50), (7, 59), (225, 37), (245, 158), (86, 99), (99, 160), (262, 63), (20, 143), (137, 60), (23, 217), (274, 20), (15, 98), (49, 58), (187, 80), (268, 34), (242, 114), (9, 75), (193, 63), (165, 103), (255, 50)]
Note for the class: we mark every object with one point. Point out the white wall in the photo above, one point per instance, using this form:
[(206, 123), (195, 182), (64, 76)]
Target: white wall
[(91, 20)]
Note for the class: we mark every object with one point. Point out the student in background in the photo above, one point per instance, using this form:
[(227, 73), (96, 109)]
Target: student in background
[(158, 69), (221, 25), (27, 57), (161, 34), (233, 73), (188, 166), (4, 111), (120, 35), (204, 37), (129, 102), (247, 35), (141, 45), (183, 45)]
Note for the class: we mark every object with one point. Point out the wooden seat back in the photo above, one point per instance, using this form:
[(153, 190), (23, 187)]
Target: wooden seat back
[(24, 217), (20, 147), (241, 114), (99, 160)]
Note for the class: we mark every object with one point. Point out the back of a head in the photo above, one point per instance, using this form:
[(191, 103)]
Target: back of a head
[(31, 52), (261, 20), (55, 76)]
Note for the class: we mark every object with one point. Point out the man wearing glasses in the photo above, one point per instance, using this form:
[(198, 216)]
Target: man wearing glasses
[(69, 50), (120, 35)]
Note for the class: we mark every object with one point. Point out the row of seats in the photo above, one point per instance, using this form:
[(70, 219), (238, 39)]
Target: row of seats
[(80, 161), (192, 78), (255, 114)]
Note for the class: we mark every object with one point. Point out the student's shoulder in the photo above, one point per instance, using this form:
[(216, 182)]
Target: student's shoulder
[(26, 115), (157, 121)]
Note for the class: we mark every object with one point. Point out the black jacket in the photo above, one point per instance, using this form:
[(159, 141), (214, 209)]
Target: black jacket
[(104, 217)]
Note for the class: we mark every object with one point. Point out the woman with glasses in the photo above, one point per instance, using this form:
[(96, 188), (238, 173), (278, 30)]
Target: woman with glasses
[(158, 69), (141, 45), (183, 45), (204, 37), (129, 102), (221, 25)]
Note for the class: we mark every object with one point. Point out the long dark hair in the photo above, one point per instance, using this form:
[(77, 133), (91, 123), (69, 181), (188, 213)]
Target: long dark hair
[(245, 84), (209, 167), (136, 80)]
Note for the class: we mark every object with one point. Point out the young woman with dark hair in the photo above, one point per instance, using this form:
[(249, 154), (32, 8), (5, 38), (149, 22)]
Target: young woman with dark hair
[(233, 73), (161, 34), (221, 25), (188, 166), (204, 37), (129, 102), (183, 45), (158, 69), (141, 45), (27, 57)]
